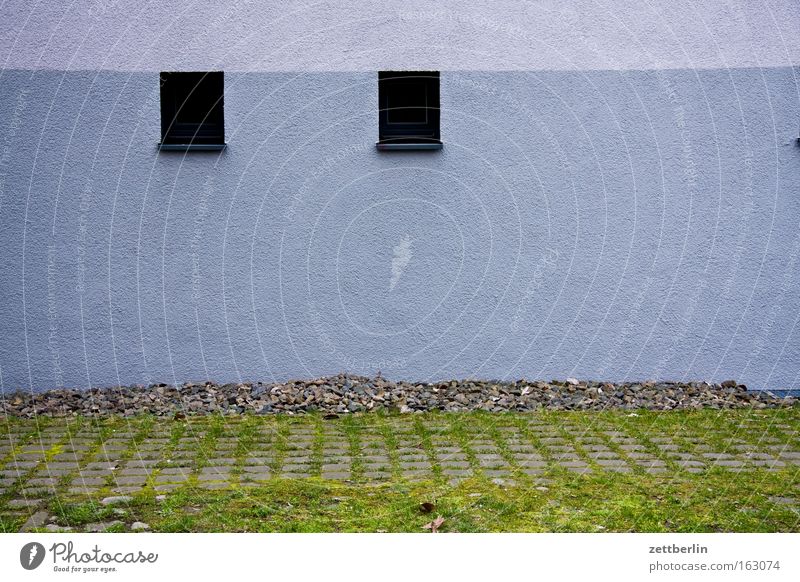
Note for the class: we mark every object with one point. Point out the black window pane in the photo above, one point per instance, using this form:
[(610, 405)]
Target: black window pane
[(408, 103), (192, 108), (408, 107), (198, 101)]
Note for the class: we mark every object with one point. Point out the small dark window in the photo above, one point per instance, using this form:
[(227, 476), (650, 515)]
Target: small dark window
[(408, 110), (192, 112)]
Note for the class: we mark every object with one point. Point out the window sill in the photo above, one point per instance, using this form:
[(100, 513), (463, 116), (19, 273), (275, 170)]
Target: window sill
[(389, 146), (191, 147)]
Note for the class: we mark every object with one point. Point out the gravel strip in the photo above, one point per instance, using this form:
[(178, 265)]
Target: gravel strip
[(348, 394)]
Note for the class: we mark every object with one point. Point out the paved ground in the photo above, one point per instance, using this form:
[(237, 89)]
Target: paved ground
[(83, 457)]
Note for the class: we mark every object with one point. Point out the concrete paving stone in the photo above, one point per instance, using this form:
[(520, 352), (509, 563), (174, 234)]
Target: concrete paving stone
[(560, 448), (101, 466), (417, 475), (454, 464), (572, 463), (489, 457), (66, 457), (130, 479), (602, 455), (650, 462), (22, 465), (335, 467), (414, 465), (690, 463), (149, 455), (668, 447), (336, 475), (483, 447), (25, 502), (454, 472), (165, 487), (261, 470), (496, 472), (67, 465), (79, 490), (552, 441), (454, 458), (213, 477), (566, 457), (632, 447), (684, 457), (377, 475), (767, 463), (47, 471), (611, 463), (522, 448), (295, 475), (638, 455), (171, 478), (135, 471), (256, 477), (175, 471), (375, 458), (178, 462), (718, 456), (780, 500), (41, 481), (525, 455), (141, 463), (758, 456), (101, 474), (728, 463), (413, 458), (530, 463), (789, 454), (295, 467), (298, 460), (88, 481), (258, 461), (332, 460), (213, 470)]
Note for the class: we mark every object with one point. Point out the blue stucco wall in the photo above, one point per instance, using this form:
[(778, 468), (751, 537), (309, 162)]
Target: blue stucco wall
[(596, 224)]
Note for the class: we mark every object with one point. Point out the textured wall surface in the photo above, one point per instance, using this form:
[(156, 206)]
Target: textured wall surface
[(594, 221)]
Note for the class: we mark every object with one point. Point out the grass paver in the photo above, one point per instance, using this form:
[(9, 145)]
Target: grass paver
[(704, 470)]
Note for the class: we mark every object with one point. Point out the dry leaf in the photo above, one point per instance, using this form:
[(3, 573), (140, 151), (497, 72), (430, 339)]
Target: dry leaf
[(435, 524)]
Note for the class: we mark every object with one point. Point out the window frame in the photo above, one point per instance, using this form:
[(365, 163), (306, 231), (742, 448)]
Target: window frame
[(175, 89), (409, 135)]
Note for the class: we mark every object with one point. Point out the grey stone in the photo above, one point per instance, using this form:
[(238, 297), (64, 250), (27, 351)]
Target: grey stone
[(101, 526), (36, 520), (116, 499)]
